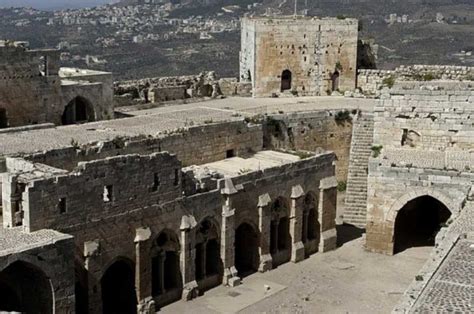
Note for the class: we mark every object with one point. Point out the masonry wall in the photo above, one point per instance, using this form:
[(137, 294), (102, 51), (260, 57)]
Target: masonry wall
[(426, 141), (312, 49), (107, 231), (372, 81), (197, 145), (311, 131)]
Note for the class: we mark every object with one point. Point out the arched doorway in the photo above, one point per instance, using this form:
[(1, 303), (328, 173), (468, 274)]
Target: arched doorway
[(78, 110), (418, 222), (25, 288), (335, 81), (118, 289), (3, 118), (208, 264), (280, 239), (166, 273), (310, 226), (246, 250), (286, 80)]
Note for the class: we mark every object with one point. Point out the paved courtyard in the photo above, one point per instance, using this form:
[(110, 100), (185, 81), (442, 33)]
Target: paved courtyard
[(347, 280)]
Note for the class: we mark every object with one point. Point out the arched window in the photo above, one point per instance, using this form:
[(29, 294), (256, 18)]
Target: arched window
[(166, 273), (208, 264)]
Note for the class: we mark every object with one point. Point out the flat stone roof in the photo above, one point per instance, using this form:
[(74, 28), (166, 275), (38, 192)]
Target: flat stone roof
[(235, 166), (15, 240), (156, 120)]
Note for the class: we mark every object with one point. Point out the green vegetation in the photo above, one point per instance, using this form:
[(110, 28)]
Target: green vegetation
[(419, 278), (389, 81), (341, 186), (75, 144), (338, 66), (342, 117), (376, 150), (341, 17)]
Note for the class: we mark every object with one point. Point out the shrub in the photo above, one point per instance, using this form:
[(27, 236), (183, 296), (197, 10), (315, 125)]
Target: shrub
[(342, 117), (376, 150), (389, 81), (419, 278), (342, 186)]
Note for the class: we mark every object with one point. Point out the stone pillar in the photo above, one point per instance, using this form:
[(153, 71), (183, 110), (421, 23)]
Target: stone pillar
[(327, 214), (187, 256), (296, 223), (92, 261), (230, 277), (264, 220), (143, 271)]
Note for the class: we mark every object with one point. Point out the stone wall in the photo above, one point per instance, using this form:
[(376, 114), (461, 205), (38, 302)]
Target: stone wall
[(126, 210), (321, 54), (424, 140), (312, 131), (41, 265), (32, 91), (195, 145), (372, 81)]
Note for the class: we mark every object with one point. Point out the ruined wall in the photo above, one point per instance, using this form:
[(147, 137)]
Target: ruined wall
[(425, 139), (27, 94), (159, 94), (312, 131), (372, 81), (196, 145), (31, 90), (313, 50)]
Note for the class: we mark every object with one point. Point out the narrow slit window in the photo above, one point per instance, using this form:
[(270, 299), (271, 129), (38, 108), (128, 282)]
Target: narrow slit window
[(108, 193), (176, 177), (62, 205), (156, 182)]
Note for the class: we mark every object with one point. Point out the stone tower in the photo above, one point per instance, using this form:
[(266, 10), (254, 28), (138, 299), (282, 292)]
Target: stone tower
[(298, 55)]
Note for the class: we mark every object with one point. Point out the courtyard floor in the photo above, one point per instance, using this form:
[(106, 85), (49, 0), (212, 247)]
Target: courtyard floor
[(347, 280)]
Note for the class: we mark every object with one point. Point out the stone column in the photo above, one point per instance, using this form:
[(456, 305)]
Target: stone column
[(230, 277), (187, 256), (296, 223), (327, 214), (143, 271), (264, 220), (93, 264)]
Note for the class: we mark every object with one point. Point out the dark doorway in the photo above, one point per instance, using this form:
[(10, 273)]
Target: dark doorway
[(81, 288), (3, 118), (118, 289), (25, 288), (79, 110), (418, 222), (285, 80), (335, 81), (246, 250)]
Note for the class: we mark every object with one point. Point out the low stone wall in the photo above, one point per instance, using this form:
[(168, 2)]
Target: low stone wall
[(195, 145), (372, 81)]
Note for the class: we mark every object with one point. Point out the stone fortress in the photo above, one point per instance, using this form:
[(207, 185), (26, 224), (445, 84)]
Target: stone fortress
[(132, 214)]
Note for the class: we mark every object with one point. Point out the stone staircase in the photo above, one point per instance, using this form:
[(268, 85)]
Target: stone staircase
[(356, 193)]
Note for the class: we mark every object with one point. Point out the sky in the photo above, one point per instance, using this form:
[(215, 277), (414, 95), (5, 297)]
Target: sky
[(52, 4)]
